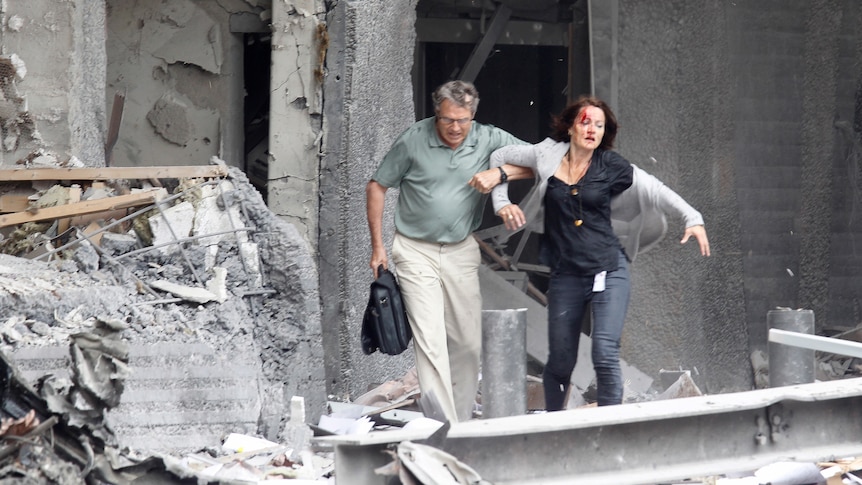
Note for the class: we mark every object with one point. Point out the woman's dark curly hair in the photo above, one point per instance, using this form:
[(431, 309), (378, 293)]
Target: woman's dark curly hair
[(562, 123)]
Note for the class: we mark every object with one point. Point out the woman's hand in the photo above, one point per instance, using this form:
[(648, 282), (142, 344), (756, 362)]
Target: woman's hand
[(512, 216), (699, 233)]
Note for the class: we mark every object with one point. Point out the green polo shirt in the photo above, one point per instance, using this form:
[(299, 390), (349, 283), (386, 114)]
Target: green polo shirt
[(435, 202)]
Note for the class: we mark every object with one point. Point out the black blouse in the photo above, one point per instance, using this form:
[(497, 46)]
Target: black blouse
[(591, 247)]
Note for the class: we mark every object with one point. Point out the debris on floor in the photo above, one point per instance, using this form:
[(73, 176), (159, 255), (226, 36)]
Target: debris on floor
[(57, 433)]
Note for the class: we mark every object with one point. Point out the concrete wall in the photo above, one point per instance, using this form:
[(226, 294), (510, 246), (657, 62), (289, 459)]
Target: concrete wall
[(180, 69), (686, 312), (299, 44), (747, 108), (369, 101), (52, 73)]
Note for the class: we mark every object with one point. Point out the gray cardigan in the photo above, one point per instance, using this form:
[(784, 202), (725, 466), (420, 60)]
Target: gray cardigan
[(637, 214)]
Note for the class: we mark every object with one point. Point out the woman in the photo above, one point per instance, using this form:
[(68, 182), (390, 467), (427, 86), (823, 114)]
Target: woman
[(577, 174)]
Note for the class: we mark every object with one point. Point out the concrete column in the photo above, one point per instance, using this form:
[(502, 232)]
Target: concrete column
[(504, 363), (295, 107), (790, 365)]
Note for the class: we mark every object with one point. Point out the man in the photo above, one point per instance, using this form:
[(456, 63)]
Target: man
[(437, 259)]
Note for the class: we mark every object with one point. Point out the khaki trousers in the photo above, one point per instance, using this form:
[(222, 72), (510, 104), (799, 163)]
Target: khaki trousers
[(440, 288)]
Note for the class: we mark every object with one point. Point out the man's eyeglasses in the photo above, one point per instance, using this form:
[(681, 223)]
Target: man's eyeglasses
[(449, 121)]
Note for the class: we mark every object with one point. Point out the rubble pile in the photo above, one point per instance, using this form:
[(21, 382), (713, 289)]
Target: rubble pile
[(213, 302)]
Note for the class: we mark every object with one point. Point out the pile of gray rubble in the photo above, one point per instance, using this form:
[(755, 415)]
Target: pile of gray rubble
[(144, 335)]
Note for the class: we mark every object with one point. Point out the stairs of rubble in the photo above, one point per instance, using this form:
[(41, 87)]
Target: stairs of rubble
[(179, 397)]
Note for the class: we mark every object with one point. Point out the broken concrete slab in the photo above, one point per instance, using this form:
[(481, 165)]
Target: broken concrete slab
[(246, 354), (172, 224), (188, 293), (48, 435), (684, 386)]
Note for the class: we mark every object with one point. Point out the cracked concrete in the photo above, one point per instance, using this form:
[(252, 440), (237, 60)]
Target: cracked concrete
[(199, 367)]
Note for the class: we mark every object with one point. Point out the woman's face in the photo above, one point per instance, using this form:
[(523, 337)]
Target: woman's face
[(588, 128)]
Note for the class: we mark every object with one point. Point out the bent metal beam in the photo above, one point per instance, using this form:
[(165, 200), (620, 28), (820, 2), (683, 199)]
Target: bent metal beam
[(638, 443)]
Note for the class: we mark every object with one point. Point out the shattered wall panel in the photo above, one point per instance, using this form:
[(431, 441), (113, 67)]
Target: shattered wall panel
[(299, 43), (54, 101), (370, 101), (173, 62)]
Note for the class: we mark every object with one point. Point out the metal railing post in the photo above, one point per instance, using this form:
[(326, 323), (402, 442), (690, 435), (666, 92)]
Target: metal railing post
[(790, 365), (504, 363)]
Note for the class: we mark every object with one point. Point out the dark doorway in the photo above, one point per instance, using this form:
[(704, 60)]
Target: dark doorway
[(519, 86), (256, 68), (524, 80)]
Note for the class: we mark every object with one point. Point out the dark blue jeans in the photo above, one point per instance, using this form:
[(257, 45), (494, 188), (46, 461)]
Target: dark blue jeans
[(569, 297)]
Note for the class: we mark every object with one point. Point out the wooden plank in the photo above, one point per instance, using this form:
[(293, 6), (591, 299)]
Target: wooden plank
[(113, 173), (85, 219), (114, 127), (14, 202), (86, 207)]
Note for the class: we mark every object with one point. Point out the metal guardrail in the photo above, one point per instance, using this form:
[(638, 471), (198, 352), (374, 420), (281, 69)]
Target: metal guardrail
[(816, 342), (638, 444)]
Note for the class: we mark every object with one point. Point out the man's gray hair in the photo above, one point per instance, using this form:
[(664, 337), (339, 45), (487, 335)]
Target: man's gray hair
[(462, 93)]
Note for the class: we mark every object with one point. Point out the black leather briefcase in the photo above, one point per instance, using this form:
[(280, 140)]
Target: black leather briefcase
[(385, 326)]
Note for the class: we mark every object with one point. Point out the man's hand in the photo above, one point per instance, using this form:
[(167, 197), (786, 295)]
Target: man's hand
[(375, 196), (512, 216), (485, 180), (378, 258), (699, 233)]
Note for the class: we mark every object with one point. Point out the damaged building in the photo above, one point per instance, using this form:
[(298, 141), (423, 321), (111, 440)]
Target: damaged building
[(235, 264)]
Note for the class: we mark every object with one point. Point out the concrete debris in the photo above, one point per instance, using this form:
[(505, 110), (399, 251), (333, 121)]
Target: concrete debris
[(684, 386), (153, 381), (296, 431), (760, 365), (782, 473), (415, 464), (345, 425), (188, 293), (170, 225), (391, 392), (13, 68), (84, 450), (15, 23)]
